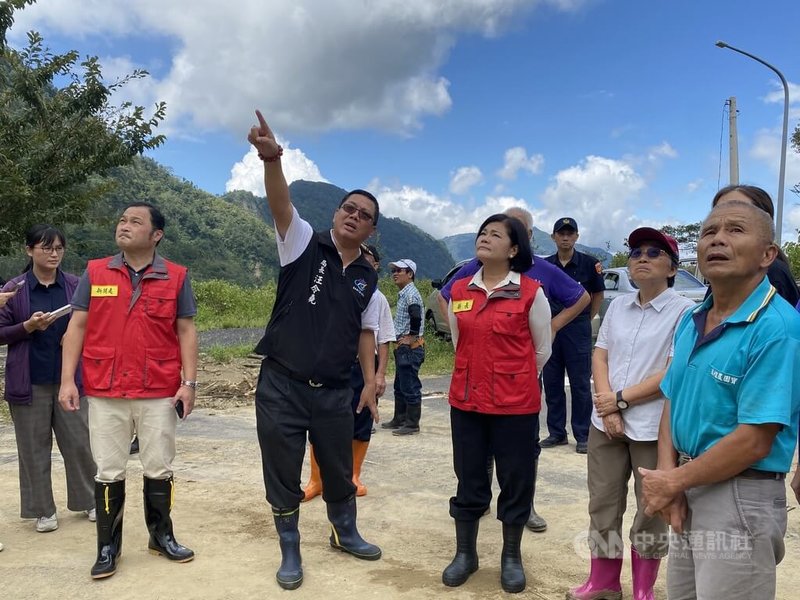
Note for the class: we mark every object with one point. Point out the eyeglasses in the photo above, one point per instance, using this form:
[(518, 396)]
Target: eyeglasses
[(362, 214), (651, 253), (51, 249)]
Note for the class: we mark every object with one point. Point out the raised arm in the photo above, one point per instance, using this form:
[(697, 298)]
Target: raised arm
[(270, 152)]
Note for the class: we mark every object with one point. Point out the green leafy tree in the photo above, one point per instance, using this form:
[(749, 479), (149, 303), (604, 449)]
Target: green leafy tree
[(59, 133), (792, 252), (796, 144), (683, 233), (620, 259)]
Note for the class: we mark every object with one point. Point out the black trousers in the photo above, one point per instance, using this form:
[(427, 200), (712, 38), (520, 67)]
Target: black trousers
[(286, 411), (512, 440)]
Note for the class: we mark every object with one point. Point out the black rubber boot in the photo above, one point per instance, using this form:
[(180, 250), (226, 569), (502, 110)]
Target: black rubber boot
[(157, 506), (535, 522), (512, 575), (109, 501), (465, 562), (399, 415), (344, 534), (411, 425), (290, 573)]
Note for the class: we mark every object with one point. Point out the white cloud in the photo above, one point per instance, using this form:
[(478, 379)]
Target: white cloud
[(695, 185), (464, 179), (248, 173), (311, 65), (777, 96), (516, 159), (663, 150)]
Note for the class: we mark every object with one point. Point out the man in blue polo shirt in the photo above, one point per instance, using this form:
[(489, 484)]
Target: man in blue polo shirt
[(572, 346), (558, 288), (729, 426)]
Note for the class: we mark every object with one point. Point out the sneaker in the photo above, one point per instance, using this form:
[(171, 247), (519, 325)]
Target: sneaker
[(91, 514), (551, 441), (582, 447), (1, 546), (45, 524)]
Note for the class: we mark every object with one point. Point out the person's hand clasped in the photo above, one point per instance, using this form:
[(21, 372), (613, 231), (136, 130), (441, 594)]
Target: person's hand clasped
[(605, 403), (658, 490), (262, 138), (614, 426)]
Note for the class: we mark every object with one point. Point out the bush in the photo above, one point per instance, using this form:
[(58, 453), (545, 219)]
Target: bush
[(223, 305)]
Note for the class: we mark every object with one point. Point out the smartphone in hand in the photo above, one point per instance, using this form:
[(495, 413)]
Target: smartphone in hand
[(60, 312), (179, 408)]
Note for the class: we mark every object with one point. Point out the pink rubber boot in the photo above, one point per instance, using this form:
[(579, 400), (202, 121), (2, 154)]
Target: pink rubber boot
[(645, 573), (603, 582)]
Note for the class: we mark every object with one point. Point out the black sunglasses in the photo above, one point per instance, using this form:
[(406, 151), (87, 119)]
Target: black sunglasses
[(363, 215), (651, 253)]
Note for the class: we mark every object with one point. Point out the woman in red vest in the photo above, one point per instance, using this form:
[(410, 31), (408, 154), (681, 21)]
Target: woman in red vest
[(500, 322)]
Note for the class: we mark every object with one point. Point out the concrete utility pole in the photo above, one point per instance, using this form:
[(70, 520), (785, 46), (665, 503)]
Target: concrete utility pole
[(734, 141), (784, 137)]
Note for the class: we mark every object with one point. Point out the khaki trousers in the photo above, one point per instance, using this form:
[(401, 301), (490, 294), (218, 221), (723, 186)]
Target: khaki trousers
[(112, 423)]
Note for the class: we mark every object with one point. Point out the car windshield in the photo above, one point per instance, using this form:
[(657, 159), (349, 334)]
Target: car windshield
[(683, 281)]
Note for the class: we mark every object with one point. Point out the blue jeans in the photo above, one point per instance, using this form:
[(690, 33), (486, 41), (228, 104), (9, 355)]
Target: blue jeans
[(407, 386)]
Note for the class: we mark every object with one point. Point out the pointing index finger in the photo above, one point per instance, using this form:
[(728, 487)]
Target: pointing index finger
[(262, 123)]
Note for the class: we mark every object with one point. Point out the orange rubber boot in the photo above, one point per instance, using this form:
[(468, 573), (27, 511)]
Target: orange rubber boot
[(359, 452), (314, 487)]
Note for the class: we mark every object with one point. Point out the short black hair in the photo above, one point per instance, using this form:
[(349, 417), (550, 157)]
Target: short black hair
[(156, 216), (373, 251), (518, 234), (366, 194)]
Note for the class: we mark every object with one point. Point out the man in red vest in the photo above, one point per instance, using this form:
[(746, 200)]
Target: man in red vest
[(133, 331)]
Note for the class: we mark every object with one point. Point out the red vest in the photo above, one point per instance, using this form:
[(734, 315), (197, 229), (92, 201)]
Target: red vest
[(131, 348), (495, 367)]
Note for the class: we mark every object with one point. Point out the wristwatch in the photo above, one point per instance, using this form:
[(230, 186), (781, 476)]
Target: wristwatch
[(189, 383), (622, 404)]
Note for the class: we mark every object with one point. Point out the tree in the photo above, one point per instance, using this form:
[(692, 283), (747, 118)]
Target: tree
[(56, 143), (683, 233), (792, 252), (620, 259), (796, 144)]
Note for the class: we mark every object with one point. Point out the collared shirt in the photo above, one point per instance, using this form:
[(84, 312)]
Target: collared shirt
[(385, 332), (747, 372), (538, 316), (402, 320), (586, 270), (45, 350), (557, 285), (638, 340)]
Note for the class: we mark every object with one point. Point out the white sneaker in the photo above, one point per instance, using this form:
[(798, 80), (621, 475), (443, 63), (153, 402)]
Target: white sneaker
[(45, 524), (91, 514), (1, 546)]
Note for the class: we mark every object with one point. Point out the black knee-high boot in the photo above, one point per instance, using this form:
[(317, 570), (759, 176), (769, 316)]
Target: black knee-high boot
[(290, 573), (344, 534), (109, 500), (465, 562), (512, 574), (157, 506)]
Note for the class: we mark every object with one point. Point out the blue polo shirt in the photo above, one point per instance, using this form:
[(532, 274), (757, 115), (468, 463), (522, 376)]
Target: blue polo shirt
[(45, 348), (586, 270), (745, 371)]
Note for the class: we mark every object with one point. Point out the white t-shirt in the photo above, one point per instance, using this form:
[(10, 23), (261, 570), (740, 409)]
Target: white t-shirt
[(638, 340)]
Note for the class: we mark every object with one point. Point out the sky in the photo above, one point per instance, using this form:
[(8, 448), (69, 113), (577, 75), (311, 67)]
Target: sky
[(612, 112)]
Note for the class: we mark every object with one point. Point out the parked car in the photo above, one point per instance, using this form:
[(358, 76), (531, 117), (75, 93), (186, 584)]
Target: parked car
[(617, 282), (435, 321)]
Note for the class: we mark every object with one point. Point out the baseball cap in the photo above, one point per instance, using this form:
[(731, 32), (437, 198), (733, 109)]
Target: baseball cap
[(565, 222), (647, 234), (405, 263)]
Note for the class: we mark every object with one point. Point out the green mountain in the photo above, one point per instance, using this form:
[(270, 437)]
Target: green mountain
[(462, 246), (395, 239)]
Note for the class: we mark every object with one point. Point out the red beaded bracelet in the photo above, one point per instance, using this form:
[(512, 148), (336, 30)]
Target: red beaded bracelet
[(271, 158)]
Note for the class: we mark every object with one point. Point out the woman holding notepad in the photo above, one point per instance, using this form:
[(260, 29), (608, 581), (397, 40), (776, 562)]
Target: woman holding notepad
[(32, 324)]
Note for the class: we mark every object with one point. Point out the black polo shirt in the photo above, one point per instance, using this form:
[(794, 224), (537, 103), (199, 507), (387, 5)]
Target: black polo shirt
[(45, 348), (316, 321), (586, 270)]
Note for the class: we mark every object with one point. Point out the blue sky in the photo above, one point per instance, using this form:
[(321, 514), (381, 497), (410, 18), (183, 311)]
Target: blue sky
[(607, 111)]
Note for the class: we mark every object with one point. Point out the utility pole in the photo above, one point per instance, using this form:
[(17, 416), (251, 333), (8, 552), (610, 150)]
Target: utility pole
[(734, 141)]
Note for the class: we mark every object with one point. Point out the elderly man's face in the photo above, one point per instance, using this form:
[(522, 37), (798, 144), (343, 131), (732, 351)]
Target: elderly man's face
[(734, 244)]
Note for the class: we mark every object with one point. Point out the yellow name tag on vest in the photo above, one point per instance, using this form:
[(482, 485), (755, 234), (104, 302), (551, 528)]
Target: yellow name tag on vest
[(100, 291), (462, 305)]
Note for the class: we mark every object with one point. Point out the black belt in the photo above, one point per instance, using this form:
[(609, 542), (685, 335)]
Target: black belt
[(749, 473), (279, 368)]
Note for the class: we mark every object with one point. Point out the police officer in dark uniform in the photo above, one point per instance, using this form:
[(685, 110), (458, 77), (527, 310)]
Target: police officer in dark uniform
[(572, 346), (325, 313)]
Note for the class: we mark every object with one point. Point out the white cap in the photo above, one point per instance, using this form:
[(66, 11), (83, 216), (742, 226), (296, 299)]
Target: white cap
[(405, 263)]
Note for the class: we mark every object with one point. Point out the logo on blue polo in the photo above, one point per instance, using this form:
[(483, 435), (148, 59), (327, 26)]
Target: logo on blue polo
[(724, 377), (360, 286)]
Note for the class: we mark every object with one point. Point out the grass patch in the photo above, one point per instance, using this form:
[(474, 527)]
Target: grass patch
[(225, 354)]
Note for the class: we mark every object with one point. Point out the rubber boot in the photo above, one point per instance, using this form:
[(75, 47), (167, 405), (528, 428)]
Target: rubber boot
[(512, 574), (158, 494), (603, 582), (109, 500), (465, 562), (411, 425), (290, 573), (645, 573), (399, 415), (535, 522), (359, 452), (344, 534), (314, 487)]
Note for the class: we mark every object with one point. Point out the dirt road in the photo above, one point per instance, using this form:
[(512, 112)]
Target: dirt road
[(221, 513)]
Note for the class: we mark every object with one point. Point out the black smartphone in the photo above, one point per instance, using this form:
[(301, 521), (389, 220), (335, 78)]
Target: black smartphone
[(179, 408)]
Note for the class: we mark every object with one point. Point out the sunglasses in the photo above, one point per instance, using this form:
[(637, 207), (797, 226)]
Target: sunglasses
[(651, 253), (363, 215), (396, 270)]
